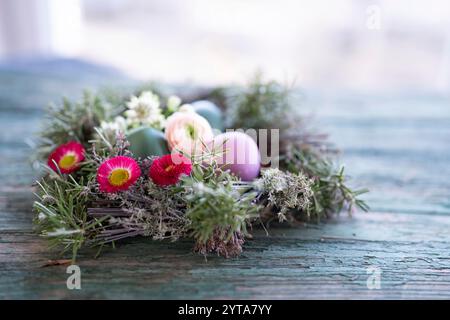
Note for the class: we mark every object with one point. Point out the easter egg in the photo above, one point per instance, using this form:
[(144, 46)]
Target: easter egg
[(210, 112), (145, 142), (240, 154)]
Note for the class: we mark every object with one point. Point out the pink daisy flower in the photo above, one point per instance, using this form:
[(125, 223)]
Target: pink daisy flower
[(117, 174), (166, 170), (66, 157)]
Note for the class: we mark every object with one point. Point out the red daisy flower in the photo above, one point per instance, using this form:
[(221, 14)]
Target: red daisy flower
[(167, 169), (66, 157), (117, 174)]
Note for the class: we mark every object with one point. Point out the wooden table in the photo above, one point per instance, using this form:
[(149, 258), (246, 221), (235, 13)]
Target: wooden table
[(398, 146)]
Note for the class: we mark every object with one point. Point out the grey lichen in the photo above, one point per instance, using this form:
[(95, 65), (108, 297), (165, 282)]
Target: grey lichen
[(285, 191)]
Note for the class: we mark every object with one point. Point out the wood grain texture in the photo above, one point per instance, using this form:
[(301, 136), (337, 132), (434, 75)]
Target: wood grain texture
[(397, 146)]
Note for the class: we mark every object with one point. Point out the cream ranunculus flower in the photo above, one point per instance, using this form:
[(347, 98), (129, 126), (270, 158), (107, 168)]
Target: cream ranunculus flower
[(186, 130)]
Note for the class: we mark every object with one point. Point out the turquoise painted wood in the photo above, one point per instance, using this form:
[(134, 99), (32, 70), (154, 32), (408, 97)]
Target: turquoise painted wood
[(398, 146)]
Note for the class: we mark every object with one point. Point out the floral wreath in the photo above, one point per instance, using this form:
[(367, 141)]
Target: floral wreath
[(120, 166)]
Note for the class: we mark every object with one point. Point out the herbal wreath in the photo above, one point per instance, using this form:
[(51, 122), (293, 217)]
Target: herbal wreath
[(121, 166)]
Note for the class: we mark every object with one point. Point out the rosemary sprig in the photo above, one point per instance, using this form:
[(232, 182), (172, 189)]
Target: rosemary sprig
[(331, 193)]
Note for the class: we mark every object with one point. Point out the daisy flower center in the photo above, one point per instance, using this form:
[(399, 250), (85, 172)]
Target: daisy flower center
[(67, 161), (169, 168), (119, 177), (142, 111)]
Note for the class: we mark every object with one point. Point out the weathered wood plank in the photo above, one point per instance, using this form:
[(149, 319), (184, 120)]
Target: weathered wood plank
[(326, 261)]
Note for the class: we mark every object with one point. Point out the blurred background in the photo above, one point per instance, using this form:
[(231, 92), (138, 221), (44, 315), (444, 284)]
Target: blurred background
[(375, 73), (353, 44)]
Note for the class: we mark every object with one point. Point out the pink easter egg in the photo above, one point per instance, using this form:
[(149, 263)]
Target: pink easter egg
[(240, 154)]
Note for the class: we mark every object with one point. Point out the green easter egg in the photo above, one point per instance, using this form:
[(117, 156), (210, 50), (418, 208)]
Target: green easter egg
[(210, 112), (146, 142)]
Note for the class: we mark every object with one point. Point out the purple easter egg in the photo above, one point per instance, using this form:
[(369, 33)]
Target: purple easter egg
[(240, 154)]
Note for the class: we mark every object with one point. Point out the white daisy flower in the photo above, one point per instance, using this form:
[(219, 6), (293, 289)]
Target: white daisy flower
[(119, 124), (173, 103), (146, 110)]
